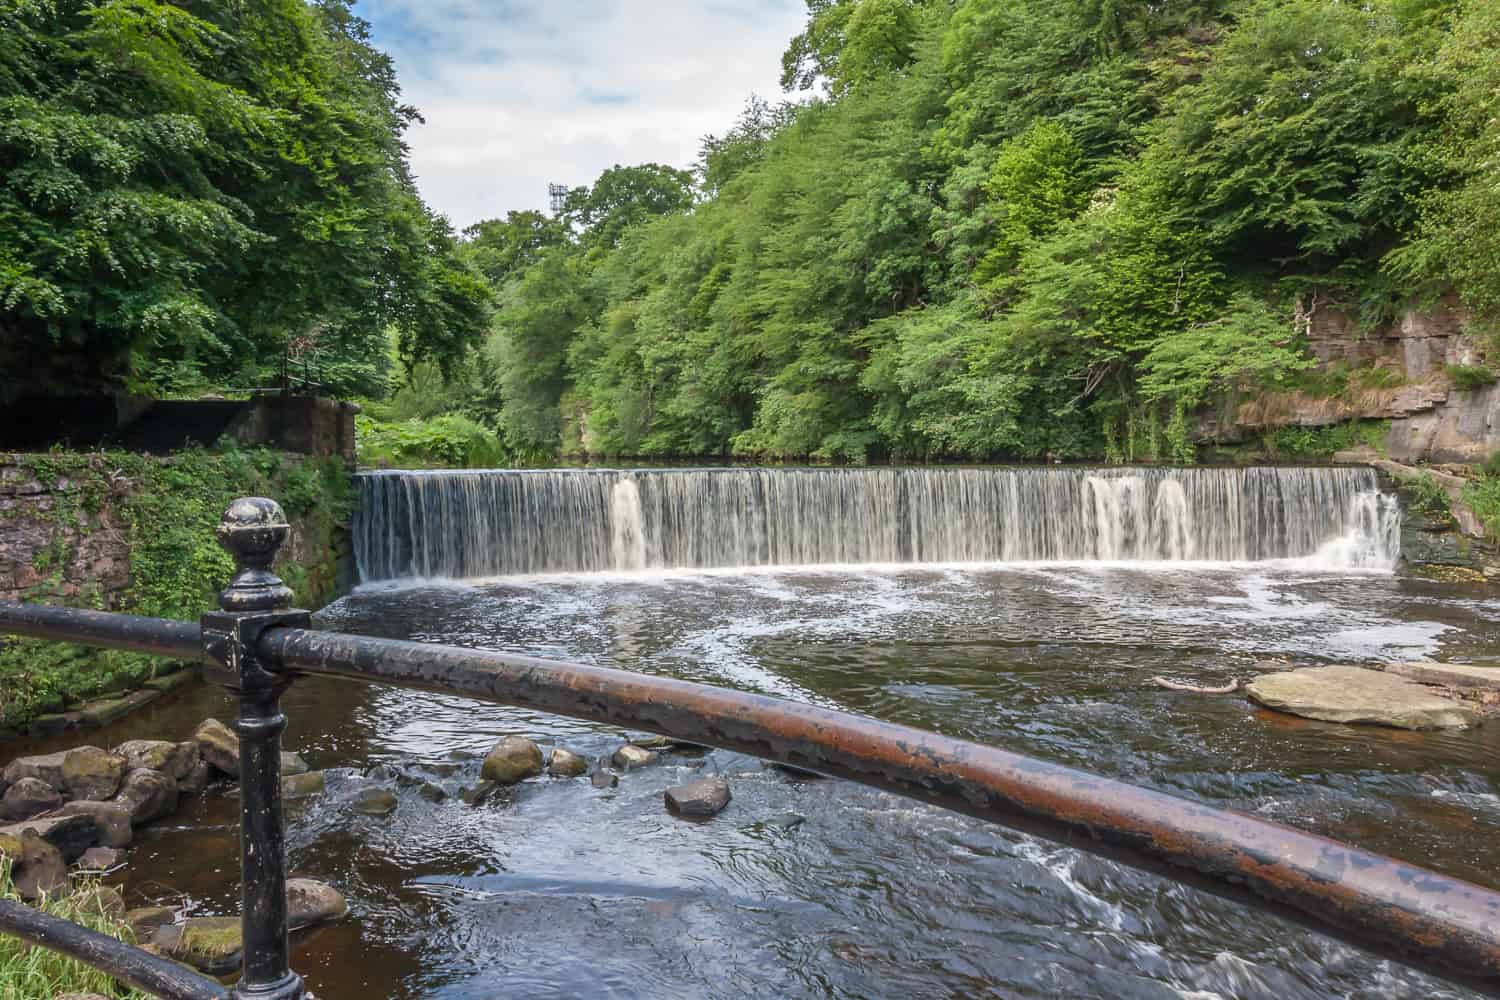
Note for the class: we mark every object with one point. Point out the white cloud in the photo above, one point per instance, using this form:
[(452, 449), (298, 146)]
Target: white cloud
[(520, 93)]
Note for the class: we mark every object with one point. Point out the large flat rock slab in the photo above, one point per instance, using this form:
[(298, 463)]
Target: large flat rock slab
[(1357, 695), (1458, 675)]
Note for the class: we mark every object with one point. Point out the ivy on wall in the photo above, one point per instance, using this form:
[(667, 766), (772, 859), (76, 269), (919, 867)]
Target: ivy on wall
[(166, 510)]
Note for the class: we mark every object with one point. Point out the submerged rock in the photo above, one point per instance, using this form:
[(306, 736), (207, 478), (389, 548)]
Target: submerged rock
[(301, 786), (706, 797), (479, 793), (1357, 695), (99, 859), (219, 745), (375, 802), (513, 759), (292, 763), (631, 756), (146, 919), (27, 798), (604, 779), (567, 764), (147, 795), (431, 792)]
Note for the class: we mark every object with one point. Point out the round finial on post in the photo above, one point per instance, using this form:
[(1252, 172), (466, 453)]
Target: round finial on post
[(252, 531)]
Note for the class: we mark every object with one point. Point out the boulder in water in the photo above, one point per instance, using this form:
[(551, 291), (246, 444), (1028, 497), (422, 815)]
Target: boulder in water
[(292, 763), (147, 795), (197, 779), (219, 746), (1357, 695), (91, 774), (44, 767), (699, 799), (175, 760), (309, 902), (209, 944), (111, 819), (71, 835), (40, 869), (567, 764), (27, 798), (631, 756), (513, 759), (604, 779)]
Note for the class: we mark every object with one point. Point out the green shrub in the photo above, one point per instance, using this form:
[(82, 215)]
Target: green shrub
[(1323, 442), (450, 442), (1425, 496), (1468, 378), (27, 972), (1482, 496), (1377, 378)]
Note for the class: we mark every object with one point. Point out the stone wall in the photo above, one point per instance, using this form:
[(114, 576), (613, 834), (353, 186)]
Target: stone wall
[(1432, 419), (77, 554), (93, 554)]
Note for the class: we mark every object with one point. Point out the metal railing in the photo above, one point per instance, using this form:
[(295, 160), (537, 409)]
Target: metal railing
[(257, 646)]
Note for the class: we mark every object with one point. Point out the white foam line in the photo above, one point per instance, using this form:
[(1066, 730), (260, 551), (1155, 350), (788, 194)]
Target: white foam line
[(1309, 565)]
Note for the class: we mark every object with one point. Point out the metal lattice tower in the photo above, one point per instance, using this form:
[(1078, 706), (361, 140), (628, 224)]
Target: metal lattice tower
[(558, 193)]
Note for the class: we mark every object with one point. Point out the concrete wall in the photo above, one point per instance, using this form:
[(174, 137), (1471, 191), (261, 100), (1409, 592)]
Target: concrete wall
[(307, 425)]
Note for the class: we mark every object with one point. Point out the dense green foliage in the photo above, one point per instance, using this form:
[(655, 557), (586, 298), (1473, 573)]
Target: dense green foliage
[(27, 971), (191, 191), (449, 441), (1006, 229), (165, 512)]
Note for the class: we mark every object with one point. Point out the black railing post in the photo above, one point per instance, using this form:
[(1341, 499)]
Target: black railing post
[(252, 530)]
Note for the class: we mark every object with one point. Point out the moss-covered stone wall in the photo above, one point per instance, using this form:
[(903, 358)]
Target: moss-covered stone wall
[(135, 533)]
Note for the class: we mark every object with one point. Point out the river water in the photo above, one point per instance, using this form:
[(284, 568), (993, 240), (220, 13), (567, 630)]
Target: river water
[(819, 888)]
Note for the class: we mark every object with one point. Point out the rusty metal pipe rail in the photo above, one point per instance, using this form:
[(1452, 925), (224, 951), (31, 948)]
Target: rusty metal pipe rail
[(1440, 924), (128, 964), (153, 636)]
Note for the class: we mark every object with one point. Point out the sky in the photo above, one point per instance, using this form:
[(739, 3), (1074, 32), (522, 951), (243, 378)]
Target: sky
[(521, 93)]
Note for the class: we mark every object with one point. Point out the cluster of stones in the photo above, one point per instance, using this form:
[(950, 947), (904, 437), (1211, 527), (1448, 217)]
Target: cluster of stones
[(515, 759), (80, 807)]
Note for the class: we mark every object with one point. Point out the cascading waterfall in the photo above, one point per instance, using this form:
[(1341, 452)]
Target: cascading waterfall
[(496, 523)]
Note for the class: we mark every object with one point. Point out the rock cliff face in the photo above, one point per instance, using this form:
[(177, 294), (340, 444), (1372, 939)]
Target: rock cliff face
[(1432, 419)]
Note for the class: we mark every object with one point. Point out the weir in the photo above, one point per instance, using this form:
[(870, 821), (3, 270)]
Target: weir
[(465, 525)]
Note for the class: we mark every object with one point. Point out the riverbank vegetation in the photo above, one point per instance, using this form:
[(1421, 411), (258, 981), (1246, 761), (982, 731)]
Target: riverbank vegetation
[(158, 515), (1004, 229), (27, 971)]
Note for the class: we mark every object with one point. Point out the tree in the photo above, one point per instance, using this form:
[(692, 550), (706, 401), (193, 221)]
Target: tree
[(188, 192), (623, 197)]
